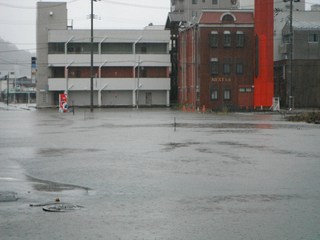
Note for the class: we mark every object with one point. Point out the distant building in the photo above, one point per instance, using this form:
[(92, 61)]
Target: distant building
[(315, 7), (303, 83), (242, 76), (17, 90), (130, 66), (284, 5), (184, 13), (189, 11), (271, 53), (216, 58)]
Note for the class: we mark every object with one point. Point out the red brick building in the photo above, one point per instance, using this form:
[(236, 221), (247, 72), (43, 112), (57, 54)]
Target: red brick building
[(216, 61)]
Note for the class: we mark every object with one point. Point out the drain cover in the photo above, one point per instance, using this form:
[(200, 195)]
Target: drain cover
[(61, 207), (7, 196)]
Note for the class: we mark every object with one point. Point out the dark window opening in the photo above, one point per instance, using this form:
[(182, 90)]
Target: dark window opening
[(239, 69), (313, 38), (56, 48), (240, 40), (226, 68), (214, 67), (214, 94), (227, 94), (214, 39), (227, 39), (228, 18)]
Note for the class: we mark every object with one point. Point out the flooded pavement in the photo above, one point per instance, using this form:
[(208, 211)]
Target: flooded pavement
[(216, 176)]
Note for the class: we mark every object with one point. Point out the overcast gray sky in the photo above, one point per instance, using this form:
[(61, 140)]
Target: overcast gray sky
[(17, 18)]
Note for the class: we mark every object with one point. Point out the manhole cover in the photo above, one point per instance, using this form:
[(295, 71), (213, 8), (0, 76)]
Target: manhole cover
[(61, 207), (7, 196)]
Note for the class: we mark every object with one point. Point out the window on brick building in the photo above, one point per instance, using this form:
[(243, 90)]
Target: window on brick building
[(227, 94), (194, 1), (214, 2), (227, 39), (214, 39), (214, 65), (239, 39), (239, 68), (214, 94), (228, 18), (226, 68)]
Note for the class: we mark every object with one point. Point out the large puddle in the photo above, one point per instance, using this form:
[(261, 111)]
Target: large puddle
[(7, 196), (49, 186)]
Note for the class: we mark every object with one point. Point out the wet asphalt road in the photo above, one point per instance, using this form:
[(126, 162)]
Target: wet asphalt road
[(217, 176)]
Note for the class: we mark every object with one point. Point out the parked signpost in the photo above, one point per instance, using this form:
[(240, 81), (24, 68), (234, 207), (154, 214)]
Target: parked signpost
[(63, 102)]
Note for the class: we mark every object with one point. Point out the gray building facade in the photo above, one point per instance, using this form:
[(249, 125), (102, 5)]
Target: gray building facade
[(131, 67), (301, 85), (189, 11), (50, 15)]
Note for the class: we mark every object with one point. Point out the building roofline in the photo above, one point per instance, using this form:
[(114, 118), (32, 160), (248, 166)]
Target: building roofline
[(228, 10)]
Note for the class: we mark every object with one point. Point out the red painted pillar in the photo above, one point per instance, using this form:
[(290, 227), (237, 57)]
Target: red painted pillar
[(264, 79)]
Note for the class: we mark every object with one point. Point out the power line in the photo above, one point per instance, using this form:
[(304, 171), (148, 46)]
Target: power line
[(135, 5), (32, 7)]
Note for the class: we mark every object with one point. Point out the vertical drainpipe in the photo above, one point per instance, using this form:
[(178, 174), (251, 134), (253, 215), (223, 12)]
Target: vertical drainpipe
[(184, 64), (197, 66), (138, 83), (194, 65), (134, 71), (101, 43), (100, 89), (66, 65), (99, 73), (67, 77), (182, 35)]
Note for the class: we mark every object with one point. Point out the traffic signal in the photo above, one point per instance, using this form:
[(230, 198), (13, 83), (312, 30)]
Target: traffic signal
[(33, 61)]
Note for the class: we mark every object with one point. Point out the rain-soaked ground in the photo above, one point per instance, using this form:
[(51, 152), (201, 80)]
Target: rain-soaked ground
[(136, 176)]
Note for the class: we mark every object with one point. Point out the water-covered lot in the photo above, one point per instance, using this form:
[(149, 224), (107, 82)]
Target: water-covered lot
[(137, 175)]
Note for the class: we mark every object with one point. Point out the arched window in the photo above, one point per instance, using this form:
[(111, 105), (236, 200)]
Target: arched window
[(228, 18)]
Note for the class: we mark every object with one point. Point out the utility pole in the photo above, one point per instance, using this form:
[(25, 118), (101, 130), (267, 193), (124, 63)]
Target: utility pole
[(15, 89), (291, 99), (138, 83), (8, 89), (91, 66), (290, 57)]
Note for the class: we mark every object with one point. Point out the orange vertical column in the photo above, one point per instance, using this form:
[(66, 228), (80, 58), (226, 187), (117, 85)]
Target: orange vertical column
[(264, 82)]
